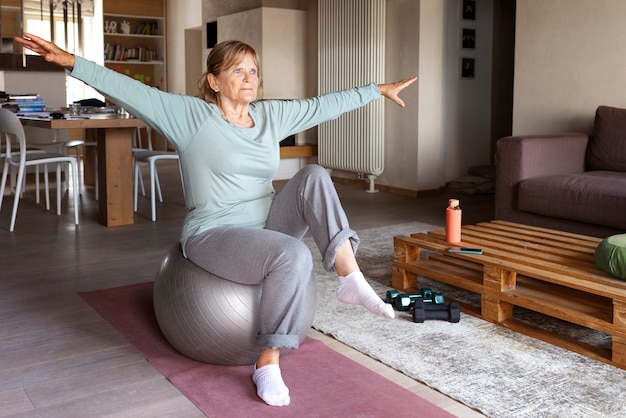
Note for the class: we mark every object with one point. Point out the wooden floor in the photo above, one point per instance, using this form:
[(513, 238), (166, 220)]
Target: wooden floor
[(58, 358)]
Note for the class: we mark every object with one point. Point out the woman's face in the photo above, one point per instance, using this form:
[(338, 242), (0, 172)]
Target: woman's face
[(239, 83)]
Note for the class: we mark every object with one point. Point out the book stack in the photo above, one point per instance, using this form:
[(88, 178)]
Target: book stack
[(119, 53), (147, 28), (27, 104)]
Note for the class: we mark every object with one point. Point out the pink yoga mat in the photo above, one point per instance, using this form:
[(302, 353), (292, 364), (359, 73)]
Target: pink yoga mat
[(322, 382)]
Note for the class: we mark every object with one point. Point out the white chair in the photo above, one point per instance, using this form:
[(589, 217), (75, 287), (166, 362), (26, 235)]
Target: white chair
[(151, 157), (78, 145), (43, 140), (13, 132), (138, 146), (14, 169)]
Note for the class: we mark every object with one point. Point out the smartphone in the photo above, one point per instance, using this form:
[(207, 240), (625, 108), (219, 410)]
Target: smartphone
[(465, 250)]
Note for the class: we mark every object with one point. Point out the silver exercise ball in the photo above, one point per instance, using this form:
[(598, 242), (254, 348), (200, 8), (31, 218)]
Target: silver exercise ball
[(211, 319)]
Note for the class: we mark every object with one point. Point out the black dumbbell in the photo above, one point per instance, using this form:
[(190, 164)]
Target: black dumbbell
[(423, 311)]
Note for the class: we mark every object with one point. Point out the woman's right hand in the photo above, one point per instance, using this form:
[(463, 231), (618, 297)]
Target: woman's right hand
[(392, 90), (49, 51)]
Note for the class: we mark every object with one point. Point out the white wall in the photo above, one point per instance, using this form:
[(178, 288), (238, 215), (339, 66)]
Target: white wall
[(49, 85), (445, 128), (180, 15), (467, 102), (570, 57)]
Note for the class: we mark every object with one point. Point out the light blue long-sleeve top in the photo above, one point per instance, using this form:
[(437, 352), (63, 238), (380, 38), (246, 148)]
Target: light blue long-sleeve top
[(227, 170)]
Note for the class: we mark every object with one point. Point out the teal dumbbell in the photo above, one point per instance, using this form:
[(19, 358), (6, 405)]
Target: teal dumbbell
[(392, 295), (405, 301)]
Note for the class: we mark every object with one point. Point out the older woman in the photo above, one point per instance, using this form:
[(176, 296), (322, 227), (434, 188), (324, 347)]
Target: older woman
[(237, 227)]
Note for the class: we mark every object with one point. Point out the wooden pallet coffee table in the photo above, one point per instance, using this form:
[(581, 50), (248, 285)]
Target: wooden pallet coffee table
[(543, 270)]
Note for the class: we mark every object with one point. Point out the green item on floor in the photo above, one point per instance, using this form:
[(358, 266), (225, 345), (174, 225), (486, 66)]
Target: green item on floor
[(610, 256)]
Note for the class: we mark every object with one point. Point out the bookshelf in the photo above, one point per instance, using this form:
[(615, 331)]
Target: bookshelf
[(134, 39), (150, 68)]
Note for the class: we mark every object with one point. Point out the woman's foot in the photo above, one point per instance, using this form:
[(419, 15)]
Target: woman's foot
[(270, 386), (354, 289)]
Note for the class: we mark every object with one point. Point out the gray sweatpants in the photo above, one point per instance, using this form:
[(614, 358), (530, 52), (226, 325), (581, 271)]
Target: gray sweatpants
[(276, 255)]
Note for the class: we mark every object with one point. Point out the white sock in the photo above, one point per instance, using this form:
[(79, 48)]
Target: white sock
[(354, 289), (270, 386)]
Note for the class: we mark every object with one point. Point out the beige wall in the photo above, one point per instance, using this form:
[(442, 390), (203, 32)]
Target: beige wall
[(278, 35), (401, 125), (570, 58)]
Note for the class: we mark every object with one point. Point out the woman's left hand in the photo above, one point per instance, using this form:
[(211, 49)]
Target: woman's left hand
[(392, 90)]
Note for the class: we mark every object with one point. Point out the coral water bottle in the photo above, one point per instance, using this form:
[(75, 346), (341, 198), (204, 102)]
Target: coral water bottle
[(453, 221)]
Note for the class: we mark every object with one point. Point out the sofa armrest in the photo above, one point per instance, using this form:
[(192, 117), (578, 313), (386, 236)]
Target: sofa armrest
[(523, 157)]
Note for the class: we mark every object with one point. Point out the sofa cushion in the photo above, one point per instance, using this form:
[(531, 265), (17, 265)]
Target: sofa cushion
[(607, 146), (596, 197), (610, 256)]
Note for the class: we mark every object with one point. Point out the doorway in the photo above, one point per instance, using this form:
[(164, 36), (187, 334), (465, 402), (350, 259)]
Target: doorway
[(193, 60), (503, 68)]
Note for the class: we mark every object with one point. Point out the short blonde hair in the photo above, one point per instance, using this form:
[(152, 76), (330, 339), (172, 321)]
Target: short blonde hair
[(224, 56)]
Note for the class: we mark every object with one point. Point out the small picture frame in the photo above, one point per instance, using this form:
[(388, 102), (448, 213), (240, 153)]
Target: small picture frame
[(469, 10), (211, 34), (468, 38), (468, 67)]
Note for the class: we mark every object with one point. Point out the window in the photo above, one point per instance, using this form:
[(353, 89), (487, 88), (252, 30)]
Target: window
[(66, 26), (41, 28)]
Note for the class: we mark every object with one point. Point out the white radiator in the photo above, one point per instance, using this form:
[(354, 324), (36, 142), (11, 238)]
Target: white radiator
[(351, 54)]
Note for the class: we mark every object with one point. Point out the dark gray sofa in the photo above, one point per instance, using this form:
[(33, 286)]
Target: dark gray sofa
[(571, 182)]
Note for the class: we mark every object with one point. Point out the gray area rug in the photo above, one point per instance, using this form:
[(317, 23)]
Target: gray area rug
[(489, 368)]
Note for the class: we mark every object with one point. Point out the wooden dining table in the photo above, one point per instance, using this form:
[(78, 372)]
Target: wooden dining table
[(113, 134)]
